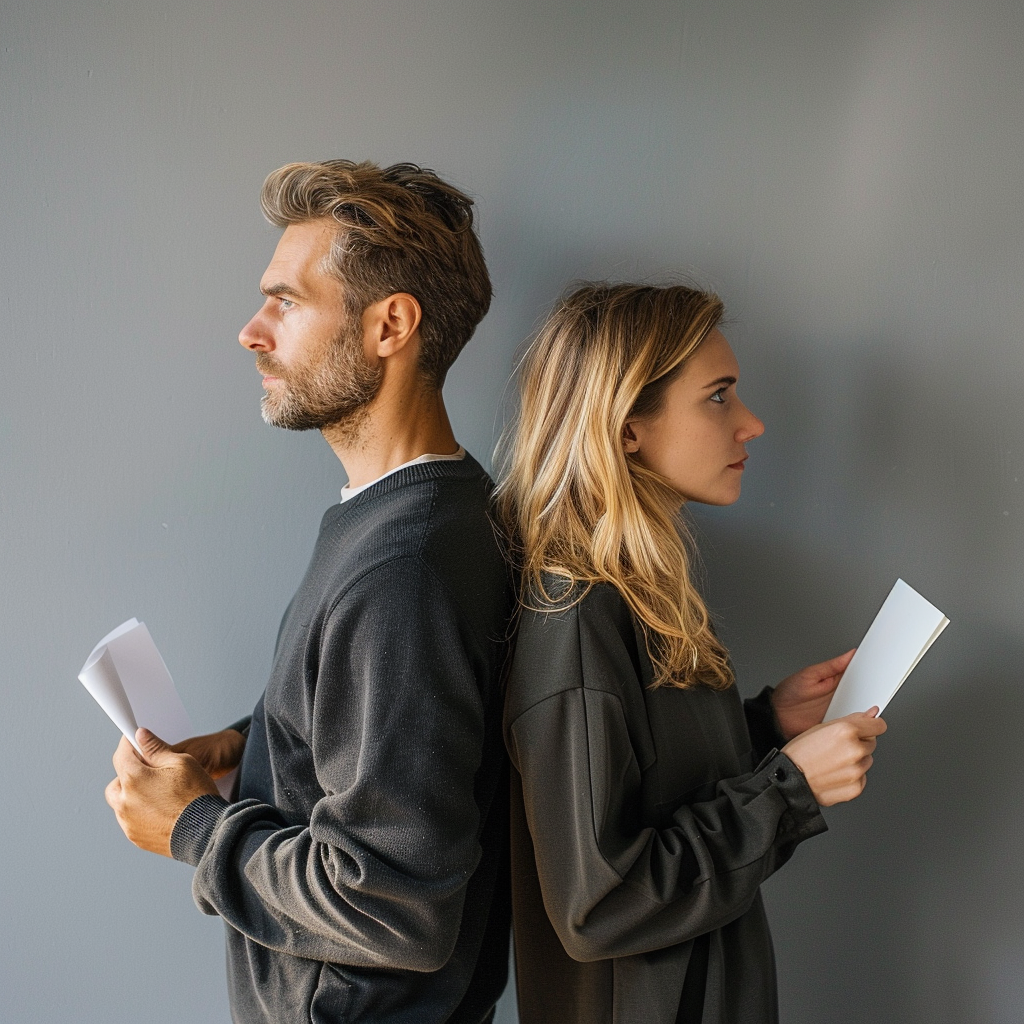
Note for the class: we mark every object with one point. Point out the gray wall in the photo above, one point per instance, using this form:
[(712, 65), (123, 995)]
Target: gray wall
[(848, 175)]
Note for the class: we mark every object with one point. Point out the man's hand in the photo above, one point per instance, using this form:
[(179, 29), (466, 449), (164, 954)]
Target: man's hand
[(216, 752), (835, 757), (149, 795), (801, 700)]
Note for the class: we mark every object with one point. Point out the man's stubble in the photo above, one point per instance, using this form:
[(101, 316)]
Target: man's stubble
[(331, 390)]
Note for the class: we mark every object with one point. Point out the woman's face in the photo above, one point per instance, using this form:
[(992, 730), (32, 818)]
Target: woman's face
[(697, 439)]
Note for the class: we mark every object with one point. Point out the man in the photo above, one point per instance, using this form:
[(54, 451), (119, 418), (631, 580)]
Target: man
[(361, 871)]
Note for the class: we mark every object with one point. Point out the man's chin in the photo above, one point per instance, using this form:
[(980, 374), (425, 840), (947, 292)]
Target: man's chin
[(288, 419), (341, 422)]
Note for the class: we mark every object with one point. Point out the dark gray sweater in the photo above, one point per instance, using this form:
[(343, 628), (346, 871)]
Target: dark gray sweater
[(642, 827), (362, 871)]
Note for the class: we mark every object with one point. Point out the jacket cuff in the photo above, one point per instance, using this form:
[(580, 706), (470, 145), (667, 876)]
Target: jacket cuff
[(802, 817), (763, 723), (242, 725), (194, 827)]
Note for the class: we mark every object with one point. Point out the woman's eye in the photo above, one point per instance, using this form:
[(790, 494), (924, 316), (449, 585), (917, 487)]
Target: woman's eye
[(719, 396)]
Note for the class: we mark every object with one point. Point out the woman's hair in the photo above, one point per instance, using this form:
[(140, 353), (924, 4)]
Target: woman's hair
[(575, 506), (400, 229)]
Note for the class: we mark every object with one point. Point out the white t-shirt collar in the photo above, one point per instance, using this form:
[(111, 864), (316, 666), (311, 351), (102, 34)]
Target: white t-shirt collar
[(351, 492)]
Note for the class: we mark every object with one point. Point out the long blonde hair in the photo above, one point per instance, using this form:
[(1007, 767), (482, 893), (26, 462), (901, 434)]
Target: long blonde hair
[(574, 504)]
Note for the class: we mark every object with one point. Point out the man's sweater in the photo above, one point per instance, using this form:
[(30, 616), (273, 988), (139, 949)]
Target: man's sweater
[(362, 871)]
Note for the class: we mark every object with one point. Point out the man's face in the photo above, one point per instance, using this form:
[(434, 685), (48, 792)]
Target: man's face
[(309, 349)]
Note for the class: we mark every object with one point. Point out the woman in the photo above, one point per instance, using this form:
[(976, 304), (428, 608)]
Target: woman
[(649, 802)]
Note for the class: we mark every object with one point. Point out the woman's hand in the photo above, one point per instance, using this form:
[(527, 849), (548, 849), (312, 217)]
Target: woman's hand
[(835, 756), (801, 700), (216, 752)]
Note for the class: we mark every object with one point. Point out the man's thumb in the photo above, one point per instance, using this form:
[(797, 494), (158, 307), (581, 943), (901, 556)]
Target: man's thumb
[(153, 748)]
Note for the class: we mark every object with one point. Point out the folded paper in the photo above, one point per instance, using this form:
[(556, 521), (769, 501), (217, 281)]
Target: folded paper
[(904, 628), (128, 679)]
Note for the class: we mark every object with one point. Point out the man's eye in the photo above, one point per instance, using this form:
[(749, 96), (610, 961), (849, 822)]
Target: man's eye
[(286, 303), (719, 395)]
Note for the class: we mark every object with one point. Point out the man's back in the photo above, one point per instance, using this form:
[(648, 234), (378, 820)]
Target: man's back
[(362, 874)]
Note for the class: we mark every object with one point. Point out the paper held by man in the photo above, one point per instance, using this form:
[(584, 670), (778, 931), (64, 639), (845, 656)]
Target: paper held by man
[(904, 628), (128, 679)]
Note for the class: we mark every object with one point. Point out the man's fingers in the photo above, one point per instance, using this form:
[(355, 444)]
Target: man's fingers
[(154, 748), (126, 758), (112, 793)]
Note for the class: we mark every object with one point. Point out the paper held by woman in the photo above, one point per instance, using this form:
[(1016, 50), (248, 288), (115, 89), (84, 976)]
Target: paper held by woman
[(904, 628)]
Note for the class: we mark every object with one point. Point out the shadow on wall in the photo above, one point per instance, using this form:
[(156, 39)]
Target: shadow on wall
[(882, 463)]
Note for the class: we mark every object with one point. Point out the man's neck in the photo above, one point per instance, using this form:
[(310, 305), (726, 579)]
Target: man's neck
[(392, 430)]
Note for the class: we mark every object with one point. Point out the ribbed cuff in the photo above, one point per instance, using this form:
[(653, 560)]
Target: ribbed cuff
[(802, 818), (194, 827)]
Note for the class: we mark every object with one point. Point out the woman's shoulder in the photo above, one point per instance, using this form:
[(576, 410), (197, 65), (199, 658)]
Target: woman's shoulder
[(584, 640), (564, 604)]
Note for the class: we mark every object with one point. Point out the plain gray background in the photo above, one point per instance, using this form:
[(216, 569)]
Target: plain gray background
[(849, 176)]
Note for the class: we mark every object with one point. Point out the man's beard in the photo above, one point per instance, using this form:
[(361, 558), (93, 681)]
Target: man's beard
[(332, 390)]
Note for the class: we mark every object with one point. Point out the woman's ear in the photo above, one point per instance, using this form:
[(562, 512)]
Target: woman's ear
[(630, 443)]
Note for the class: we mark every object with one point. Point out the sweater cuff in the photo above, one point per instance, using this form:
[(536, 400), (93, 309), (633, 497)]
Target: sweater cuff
[(763, 723), (194, 827), (802, 817)]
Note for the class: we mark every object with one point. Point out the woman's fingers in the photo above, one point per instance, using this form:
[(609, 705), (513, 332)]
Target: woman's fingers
[(835, 757)]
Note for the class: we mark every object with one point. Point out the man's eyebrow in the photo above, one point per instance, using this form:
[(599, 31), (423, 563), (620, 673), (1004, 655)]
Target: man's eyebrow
[(721, 382), (274, 290)]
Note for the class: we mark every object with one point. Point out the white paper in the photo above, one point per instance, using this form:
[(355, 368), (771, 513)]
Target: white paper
[(128, 679), (904, 628)]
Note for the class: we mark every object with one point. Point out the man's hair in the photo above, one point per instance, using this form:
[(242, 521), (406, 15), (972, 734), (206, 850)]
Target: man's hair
[(400, 229)]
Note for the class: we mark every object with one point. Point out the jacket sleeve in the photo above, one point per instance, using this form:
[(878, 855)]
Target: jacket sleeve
[(612, 888), (763, 724), (377, 877)]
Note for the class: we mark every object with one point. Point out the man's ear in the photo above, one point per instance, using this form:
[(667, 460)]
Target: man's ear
[(630, 442), (392, 323)]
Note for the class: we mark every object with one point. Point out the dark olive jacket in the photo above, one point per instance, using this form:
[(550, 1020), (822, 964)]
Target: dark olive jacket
[(643, 823)]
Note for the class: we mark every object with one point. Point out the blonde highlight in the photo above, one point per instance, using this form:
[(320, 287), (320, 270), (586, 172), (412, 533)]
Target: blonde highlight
[(575, 506)]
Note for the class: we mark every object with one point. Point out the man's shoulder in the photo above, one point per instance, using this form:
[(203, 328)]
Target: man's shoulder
[(417, 509), (437, 518)]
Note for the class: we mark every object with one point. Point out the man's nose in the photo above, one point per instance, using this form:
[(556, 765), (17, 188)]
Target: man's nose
[(255, 336)]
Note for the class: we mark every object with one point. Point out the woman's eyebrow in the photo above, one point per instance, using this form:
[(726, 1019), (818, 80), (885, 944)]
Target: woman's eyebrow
[(722, 381)]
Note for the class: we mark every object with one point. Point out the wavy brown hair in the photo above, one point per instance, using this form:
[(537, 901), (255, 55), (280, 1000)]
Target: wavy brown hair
[(400, 229), (577, 508)]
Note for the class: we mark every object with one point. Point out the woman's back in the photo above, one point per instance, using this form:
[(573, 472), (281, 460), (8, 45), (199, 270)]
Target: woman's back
[(639, 826)]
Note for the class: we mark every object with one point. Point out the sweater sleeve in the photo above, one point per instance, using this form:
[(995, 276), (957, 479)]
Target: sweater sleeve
[(377, 877), (610, 887)]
